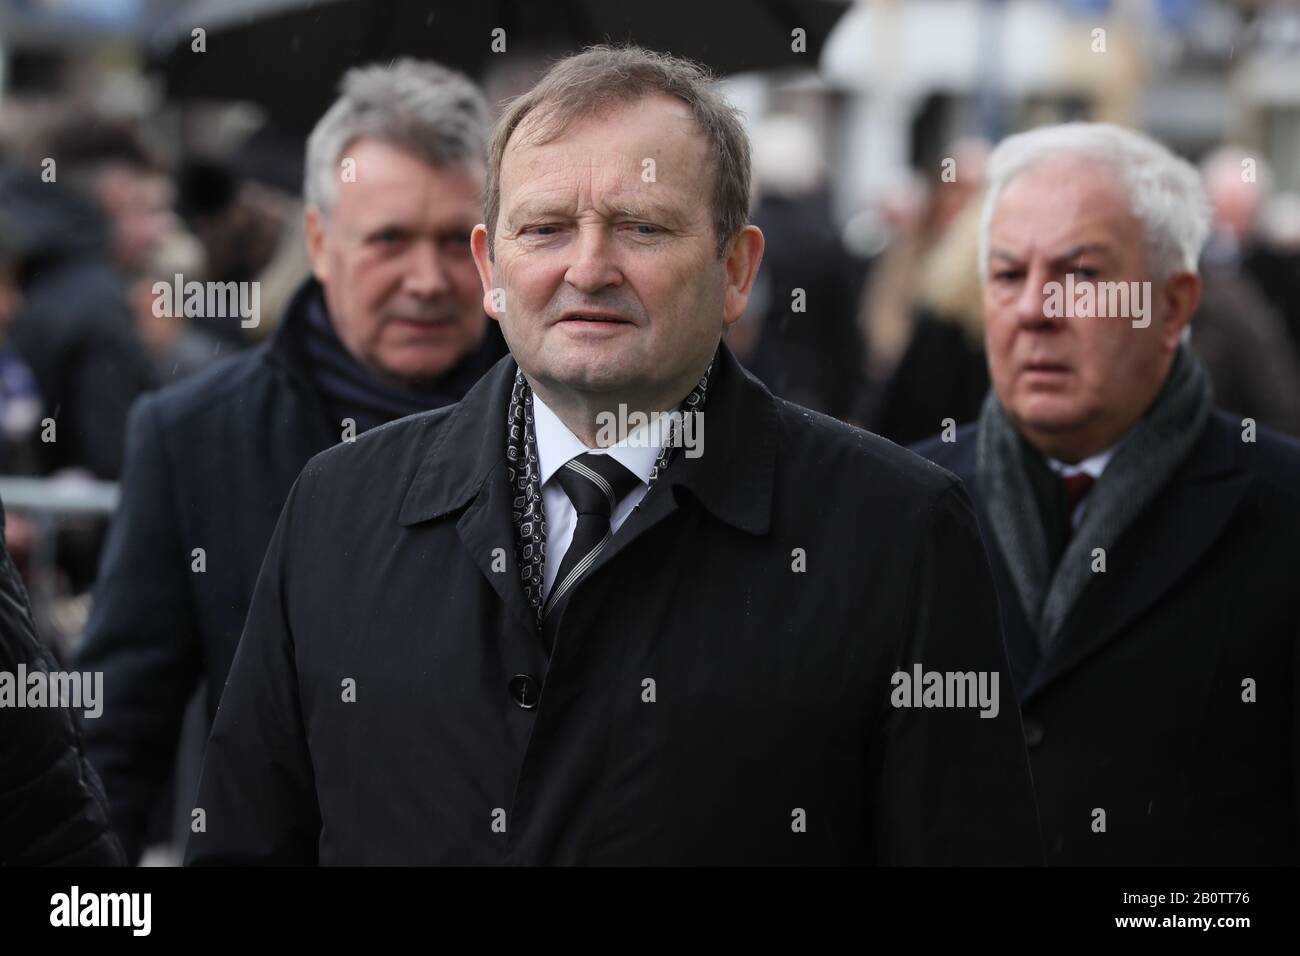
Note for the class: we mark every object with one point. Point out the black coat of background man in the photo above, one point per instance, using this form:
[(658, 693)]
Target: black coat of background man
[(390, 324), (1151, 613), (704, 654)]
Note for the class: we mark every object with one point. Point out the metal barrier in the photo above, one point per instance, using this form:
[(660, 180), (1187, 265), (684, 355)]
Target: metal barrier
[(60, 496), (50, 503)]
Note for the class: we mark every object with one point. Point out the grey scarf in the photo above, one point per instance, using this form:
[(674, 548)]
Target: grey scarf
[(1145, 460)]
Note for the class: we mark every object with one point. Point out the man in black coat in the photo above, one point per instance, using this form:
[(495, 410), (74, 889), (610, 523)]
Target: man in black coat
[(52, 807), (544, 626), (75, 329), (1141, 541), (392, 324)]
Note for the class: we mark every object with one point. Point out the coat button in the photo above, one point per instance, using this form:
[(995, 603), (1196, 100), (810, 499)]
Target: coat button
[(525, 691), (1033, 732)]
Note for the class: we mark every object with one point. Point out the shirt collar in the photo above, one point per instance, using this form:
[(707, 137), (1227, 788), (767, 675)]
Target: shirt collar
[(556, 444), (1093, 466)]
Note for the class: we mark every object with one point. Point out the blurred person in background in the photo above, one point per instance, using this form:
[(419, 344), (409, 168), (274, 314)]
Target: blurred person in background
[(798, 336), (390, 323), (20, 398), (921, 313), (1274, 262), (1142, 542), (87, 230), (244, 211), (282, 274), (1238, 330), (177, 345), (942, 373)]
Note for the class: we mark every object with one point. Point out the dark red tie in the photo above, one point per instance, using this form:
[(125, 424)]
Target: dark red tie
[(1076, 486)]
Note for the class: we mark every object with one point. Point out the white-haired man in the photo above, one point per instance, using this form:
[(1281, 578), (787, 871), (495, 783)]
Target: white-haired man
[(391, 323), (1141, 541)]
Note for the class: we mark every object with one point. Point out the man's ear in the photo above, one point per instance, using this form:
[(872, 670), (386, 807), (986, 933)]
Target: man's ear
[(314, 226), (478, 245), (743, 258), (1182, 293)]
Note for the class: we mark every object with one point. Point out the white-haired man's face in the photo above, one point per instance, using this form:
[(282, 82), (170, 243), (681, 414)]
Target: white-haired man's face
[(1073, 376)]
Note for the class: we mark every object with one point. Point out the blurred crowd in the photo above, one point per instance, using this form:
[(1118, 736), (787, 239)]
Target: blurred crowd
[(96, 209)]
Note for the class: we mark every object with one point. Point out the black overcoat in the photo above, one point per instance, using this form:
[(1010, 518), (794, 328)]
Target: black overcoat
[(721, 690), (1168, 699)]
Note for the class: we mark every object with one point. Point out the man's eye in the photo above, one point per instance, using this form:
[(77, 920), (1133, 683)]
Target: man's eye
[(1006, 275), (455, 244), (645, 228), (387, 237), (1087, 272), (543, 230)]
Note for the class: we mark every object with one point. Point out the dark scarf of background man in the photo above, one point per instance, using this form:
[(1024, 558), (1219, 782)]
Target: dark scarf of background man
[(352, 391), (1145, 460)]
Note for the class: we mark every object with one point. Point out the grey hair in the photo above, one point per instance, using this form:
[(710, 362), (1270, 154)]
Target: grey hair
[(432, 112), (1165, 191)]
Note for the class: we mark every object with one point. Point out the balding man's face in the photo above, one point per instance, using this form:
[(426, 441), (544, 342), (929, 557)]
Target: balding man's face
[(606, 257)]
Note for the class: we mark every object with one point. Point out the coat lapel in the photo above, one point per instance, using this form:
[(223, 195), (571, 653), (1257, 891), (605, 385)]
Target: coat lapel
[(465, 467), (1017, 634), (733, 476), (488, 533), (1166, 541)]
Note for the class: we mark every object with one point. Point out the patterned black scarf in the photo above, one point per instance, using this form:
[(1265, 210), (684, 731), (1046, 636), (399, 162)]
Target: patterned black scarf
[(524, 474)]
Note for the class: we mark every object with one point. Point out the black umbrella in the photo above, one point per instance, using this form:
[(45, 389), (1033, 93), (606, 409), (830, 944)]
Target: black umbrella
[(287, 55)]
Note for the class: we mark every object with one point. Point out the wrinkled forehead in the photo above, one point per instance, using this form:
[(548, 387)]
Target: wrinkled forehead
[(652, 147), (1067, 181), (1063, 197)]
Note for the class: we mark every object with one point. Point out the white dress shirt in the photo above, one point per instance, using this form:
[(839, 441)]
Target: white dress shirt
[(1093, 466), (556, 445)]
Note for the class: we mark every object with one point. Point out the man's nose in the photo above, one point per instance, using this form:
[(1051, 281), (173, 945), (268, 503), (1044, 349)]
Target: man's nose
[(593, 267), (426, 275), (1031, 304)]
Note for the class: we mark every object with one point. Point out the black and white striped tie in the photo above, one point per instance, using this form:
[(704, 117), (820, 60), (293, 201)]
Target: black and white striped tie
[(595, 484)]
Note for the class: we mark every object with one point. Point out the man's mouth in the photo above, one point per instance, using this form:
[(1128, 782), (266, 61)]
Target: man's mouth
[(1045, 367), (601, 317), (430, 322)]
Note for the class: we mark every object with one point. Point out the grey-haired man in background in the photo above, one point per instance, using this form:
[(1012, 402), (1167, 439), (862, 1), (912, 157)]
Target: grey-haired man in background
[(390, 323)]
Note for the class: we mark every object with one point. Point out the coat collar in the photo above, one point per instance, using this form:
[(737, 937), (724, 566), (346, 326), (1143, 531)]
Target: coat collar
[(284, 355), (286, 349), (1172, 535), (733, 478)]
